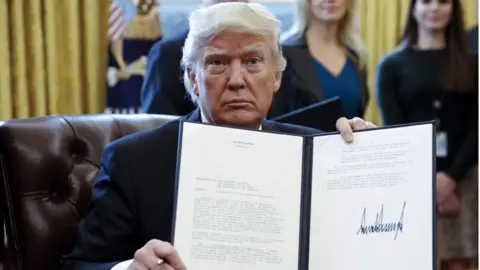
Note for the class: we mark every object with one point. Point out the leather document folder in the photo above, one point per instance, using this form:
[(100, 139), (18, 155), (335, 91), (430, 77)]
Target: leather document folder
[(321, 115)]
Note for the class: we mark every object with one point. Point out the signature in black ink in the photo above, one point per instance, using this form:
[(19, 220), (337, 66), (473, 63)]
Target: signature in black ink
[(379, 226)]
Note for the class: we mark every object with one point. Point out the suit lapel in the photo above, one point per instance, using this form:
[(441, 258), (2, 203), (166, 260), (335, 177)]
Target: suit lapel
[(269, 126), (304, 69)]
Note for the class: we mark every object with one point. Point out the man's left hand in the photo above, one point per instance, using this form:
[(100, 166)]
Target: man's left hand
[(347, 126)]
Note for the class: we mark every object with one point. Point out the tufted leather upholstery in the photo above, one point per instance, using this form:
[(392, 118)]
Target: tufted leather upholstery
[(47, 166)]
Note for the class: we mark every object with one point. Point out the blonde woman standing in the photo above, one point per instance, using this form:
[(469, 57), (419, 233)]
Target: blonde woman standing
[(325, 58)]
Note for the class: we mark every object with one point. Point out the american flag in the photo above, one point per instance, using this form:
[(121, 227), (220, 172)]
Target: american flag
[(121, 13), (116, 24)]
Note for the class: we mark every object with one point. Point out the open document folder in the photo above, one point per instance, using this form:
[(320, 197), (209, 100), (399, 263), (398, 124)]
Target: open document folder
[(321, 115), (257, 200)]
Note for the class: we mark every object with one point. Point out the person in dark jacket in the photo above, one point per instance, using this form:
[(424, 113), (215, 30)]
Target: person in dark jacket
[(162, 89), (473, 39), (432, 75), (326, 58)]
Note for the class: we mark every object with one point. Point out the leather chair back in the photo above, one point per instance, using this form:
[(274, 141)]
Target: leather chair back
[(47, 168)]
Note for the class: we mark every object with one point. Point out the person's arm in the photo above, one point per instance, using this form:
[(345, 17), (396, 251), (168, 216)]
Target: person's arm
[(472, 37), (162, 88), (116, 48), (467, 156), (386, 93), (107, 233)]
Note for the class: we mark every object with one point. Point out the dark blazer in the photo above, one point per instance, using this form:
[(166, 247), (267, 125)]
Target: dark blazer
[(132, 198), (163, 91), (472, 37), (300, 83), (409, 90)]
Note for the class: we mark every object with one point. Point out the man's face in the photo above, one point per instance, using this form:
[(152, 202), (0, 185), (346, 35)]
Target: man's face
[(236, 79)]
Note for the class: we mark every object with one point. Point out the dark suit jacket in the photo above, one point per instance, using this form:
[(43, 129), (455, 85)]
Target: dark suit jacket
[(132, 199), (472, 36), (163, 91), (300, 83)]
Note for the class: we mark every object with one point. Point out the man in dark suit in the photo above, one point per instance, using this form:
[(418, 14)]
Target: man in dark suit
[(162, 90), (232, 76), (472, 36)]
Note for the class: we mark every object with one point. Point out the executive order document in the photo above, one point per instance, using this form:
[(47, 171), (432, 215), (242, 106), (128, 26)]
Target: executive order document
[(372, 203), (261, 200)]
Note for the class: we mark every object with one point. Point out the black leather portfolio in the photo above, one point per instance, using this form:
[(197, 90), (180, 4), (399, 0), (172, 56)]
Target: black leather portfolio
[(322, 115)]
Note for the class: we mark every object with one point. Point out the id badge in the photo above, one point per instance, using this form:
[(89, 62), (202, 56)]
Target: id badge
[(442, 144)]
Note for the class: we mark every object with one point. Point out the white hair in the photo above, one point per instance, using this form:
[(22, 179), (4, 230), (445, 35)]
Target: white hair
[(207, 22)]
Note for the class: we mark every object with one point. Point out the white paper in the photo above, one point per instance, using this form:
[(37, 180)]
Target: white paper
[(238, 203), (389, 168)]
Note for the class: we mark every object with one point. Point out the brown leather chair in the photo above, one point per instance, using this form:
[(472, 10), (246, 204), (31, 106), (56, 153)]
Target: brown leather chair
[(47, 167)]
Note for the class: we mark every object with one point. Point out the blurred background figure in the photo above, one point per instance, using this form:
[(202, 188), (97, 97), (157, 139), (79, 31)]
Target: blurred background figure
[(134, 26), (163, 91), (473, 39), (326, 58), (433, 75)]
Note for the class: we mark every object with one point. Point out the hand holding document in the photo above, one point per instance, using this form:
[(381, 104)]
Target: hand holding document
[(372, 200), (249, 199)]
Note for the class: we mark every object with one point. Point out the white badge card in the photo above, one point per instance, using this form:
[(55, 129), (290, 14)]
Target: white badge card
[(442, 147)]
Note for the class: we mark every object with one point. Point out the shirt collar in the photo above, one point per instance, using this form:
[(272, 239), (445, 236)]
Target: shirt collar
[(204, 119)]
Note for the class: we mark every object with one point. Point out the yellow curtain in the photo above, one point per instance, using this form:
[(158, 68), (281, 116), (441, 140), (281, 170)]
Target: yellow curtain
[(52, 57), (382, 22), (54, 53)]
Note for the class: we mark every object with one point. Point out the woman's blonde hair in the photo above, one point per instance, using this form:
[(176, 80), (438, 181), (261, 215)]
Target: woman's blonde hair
[(349, 29)]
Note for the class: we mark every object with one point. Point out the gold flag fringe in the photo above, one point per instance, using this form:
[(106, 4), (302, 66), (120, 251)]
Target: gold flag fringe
[(145, 26)]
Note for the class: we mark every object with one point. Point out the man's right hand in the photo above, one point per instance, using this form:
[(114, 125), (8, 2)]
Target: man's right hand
[(157, 254)]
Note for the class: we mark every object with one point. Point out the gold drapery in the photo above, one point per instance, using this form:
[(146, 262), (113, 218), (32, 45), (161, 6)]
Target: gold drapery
[(53, 54), (382, 22), (52, 57)]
